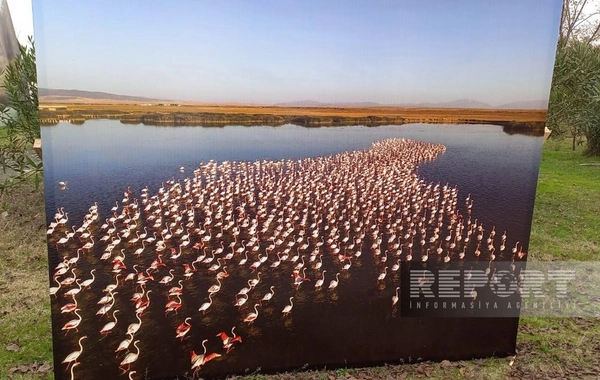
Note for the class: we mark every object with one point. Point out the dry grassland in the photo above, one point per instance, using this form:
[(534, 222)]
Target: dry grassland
[(410, 114)]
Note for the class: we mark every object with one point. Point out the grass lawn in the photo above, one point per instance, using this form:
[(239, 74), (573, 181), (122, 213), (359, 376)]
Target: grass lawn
[(566, 227)]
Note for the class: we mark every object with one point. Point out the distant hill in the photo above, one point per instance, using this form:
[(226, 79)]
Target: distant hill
[(78, 96), (530, 104), (48, 94), (460, 103), (314, 103)]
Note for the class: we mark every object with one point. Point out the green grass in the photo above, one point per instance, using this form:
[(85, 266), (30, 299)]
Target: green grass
[(566, 226), (566, 220)]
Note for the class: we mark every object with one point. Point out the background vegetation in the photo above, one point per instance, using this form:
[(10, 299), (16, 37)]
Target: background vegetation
[(574, 108), (18, 162)]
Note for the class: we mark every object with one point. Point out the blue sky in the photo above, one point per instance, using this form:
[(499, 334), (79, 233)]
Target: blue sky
[(390, 52)]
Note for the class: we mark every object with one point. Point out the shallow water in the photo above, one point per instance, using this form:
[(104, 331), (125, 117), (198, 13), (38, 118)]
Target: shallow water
[(353, 325), (100, 158)]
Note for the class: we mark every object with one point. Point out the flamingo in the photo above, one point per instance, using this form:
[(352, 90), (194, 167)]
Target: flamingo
[(132, 276), (173, 305), (253, 282), (69, 280), (51, 228), (300, 265), (74, 291), (241, 250), (65, 219), (269, 295), (111, 287), (73, 260), (276, 263), (244, 260), (209, 260), (521, 254), (395, 298), (138, 295), (320, 281), (239, 302), (62, 267), (130, 358), (382, 275), (298, 280), (215, 267), (197, 360), (515, 248), (183, 329), (134, 327), (223, 274), (189, 270), (151, 239), (206, 305), (220, 250), (144, 235), (89, 245), (69, 307), (334, 283), (244, 291), (110, 325), (256, 264), (200, 360), (347, 265), (319, 264), (89, 281), (288, 308), (251, 317), (72, 324), (54, 289), (174, 254), (215, 288), (106, 300), (176, 290), (229, 341), (72, 357), (167, 279), (140, 250), (124, 343), (142, 305)]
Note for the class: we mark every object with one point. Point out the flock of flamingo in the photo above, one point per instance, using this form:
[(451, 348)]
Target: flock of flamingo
[(285, 230)]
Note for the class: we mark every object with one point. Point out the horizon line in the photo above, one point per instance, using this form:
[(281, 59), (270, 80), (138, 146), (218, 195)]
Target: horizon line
[(297, 103)]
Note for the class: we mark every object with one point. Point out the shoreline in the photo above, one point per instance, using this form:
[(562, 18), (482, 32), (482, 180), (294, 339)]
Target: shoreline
[(513, 121)]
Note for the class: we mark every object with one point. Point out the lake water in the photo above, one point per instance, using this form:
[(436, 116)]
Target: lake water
[(101, 158)]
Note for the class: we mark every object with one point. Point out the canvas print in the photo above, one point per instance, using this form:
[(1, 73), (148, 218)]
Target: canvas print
[(252, 187)]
